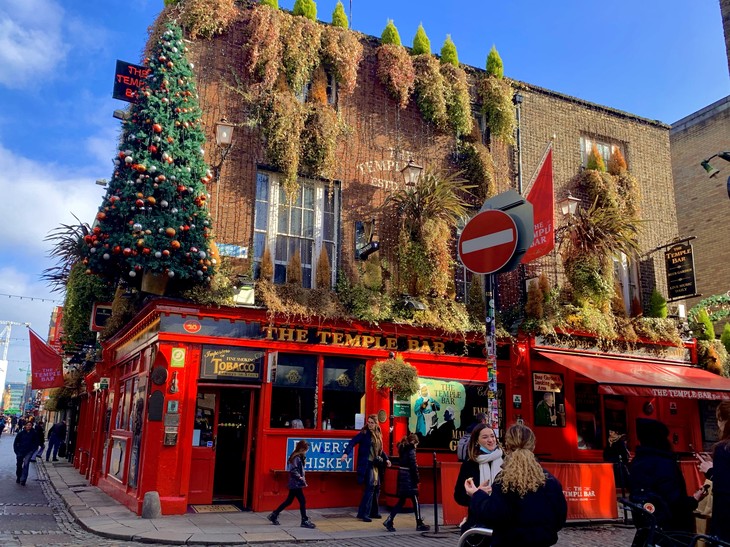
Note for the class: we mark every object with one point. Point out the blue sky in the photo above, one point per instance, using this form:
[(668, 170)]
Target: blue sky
[(660, 59)]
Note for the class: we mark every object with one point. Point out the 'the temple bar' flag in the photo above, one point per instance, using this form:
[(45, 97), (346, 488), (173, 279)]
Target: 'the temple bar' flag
[(45, 364), (542, 199)]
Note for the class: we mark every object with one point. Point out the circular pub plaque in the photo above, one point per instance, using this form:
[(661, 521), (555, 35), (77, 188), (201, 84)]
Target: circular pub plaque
[(158, 375)]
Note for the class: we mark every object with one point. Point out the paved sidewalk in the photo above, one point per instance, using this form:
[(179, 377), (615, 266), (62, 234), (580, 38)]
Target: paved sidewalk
[(101, 514)]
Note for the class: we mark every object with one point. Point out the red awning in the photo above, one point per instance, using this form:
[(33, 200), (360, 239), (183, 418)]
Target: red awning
[(626, 377)]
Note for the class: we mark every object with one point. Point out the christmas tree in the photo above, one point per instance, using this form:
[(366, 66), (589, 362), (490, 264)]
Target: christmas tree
[(153, 218)]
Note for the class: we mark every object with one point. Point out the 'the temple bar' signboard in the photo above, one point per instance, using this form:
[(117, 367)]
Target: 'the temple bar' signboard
[(128, 80), (680, 267)]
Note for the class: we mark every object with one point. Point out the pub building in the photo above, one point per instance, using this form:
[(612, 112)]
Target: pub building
[(203, 404)]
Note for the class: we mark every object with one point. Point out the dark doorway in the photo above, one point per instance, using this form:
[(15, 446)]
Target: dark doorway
[(231, 459)]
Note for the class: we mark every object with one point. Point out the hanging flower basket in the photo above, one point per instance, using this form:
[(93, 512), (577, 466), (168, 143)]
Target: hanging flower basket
[(154, 283), (397, 375)]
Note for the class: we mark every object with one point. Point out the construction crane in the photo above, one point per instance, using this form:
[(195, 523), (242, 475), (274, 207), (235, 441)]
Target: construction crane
[(5, 327)]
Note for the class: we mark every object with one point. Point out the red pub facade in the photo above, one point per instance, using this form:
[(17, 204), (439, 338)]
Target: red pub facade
[(204, 403)]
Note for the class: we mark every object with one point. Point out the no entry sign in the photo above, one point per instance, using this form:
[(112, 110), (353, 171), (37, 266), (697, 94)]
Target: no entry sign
[(488, 241)]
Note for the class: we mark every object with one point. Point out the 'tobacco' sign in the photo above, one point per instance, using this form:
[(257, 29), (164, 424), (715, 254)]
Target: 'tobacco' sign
[(488, 242)]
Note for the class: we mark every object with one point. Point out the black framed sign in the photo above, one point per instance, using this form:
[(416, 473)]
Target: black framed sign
[(680, 266), (231, 363)]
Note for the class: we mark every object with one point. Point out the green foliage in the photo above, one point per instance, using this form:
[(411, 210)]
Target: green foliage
[(595, 160), (475, 300), (397, 375), (390, 34), (171, 2), (496, 98), (475, 162), (341, 55), (82, 291), (717, 306), (458, 102), (301, 39), (712, 355), (154, 216), (305, 8), (430, 91), (494, 64), (703, 327), (590, 280), (396, 72), (725, 337), (318, 142), (339, 18), (535, 300), (421, 43), (657, 306), (448, 52), (271, 3)]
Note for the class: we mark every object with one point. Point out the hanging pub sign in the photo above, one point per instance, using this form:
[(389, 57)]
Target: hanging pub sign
[(680, 268), (231, 363), (128, 80)]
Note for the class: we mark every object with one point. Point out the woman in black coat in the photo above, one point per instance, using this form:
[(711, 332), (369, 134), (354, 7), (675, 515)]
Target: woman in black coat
[(408, 480), (371, 462), (482, 465), (525, 506), (655, 476), (717, 469)]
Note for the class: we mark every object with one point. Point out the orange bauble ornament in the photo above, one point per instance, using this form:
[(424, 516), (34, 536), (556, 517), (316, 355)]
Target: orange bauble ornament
[(175, 244)]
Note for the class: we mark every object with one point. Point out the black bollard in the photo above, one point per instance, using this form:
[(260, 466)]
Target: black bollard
[(435, 495)]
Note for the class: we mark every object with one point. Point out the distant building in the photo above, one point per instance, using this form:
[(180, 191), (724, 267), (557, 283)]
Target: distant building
[(13, 397)]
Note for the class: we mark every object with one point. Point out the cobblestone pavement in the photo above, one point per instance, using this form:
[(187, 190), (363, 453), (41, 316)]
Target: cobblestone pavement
[(35, 514)]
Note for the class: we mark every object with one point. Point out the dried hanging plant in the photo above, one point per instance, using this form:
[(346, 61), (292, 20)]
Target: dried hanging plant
[(206, 18), (458, 101), (430, 91), (341, 55), (262, 48), (301, 40), (282, 122), (322, 129), (495, 95), (396, 72)]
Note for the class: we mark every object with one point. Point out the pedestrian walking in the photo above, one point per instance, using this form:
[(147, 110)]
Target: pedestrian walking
[(483, 463), (408, 480), (525, 505), (13, 423), (24, 446), (371, 463), (56, 436), (3, 421), (40, 431), (297, 482)]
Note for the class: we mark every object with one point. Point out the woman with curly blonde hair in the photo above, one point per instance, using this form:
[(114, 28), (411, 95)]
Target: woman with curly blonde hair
[(525, 506)]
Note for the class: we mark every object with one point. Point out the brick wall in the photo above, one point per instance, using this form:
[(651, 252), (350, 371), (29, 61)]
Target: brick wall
[(383, 138), (702, 202)]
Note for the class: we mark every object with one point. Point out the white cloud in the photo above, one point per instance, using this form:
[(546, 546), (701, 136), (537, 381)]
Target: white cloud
[(31, 40), (38, 198)]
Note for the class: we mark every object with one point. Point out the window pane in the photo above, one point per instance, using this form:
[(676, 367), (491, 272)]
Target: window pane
[(262, 215), (283, 227), (282, 252), (328, 226), (307, 277), (279, 274), (308, 228), (330, 253), (204, 418), (344, 392), (262, 187), (296, 221), (259, 244), (308, 197), (294, 393), (306, 248)]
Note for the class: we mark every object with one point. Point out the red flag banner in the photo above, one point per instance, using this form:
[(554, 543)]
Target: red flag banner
[(542, 199), (45, 364)]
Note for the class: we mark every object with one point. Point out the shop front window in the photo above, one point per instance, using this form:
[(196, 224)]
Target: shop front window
[(344, 392), (588, 416), (204, 419), (294, 394), (549, 399)]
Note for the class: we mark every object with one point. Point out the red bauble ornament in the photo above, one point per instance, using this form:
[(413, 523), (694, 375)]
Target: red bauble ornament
[(165, 253), (116, 249), (146, 251), (175, 244), (96, 230), (152, 148), (157, 128), (139, 203), (127, 251)]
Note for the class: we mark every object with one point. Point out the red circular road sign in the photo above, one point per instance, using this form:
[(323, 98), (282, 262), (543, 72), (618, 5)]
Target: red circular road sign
[(488, 241)]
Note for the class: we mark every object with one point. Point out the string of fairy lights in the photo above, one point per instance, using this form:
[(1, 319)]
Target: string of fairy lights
[(31, 298)]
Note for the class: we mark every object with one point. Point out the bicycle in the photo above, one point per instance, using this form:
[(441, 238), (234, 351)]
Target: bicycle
[(650, 534), (473, 537)]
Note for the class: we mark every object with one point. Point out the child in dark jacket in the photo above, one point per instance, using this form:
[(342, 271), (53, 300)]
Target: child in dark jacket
[(408, 479), (297, 482)]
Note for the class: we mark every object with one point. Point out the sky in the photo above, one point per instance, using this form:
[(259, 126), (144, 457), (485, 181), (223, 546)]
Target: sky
[(659, 59)]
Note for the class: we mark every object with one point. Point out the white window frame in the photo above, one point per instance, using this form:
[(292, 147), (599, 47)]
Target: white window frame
[(606, 147), (321, 190), (626, 274)]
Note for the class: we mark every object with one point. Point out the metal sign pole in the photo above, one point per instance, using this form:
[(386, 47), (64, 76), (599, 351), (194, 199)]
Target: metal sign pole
[(490, 345)]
